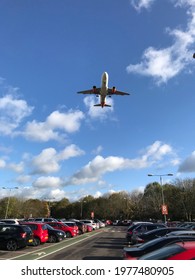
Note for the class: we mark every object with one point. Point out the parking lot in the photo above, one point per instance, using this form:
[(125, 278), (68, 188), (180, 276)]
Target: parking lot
[(100, 244)]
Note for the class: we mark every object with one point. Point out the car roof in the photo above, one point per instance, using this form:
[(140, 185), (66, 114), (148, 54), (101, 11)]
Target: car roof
[(159, 230), (181, 232), (32, 223), (171, 239)]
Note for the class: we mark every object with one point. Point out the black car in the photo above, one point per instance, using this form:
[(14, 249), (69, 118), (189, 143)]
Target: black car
[(135, 252), (141, 227), (152, 234), (55, 235), (13, 237)]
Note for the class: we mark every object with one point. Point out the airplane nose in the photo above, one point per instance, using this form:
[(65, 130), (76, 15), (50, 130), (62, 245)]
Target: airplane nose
[(105, 75)]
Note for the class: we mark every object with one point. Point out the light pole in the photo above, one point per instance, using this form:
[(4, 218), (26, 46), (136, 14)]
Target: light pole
[(161, 183), (8, 199), (81, 214)]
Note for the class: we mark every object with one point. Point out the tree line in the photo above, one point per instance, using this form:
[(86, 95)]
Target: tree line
[(136, 205)]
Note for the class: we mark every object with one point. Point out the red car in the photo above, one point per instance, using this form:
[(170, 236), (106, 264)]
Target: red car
[(89, 228), (177, 251), (70, 231), (39, 230), (73, 225)]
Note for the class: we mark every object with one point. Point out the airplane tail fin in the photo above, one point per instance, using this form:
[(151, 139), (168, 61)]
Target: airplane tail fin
[(102, 105)]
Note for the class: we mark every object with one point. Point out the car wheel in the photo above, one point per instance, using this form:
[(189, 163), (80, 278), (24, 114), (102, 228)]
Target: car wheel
[(37, 241), (52, 239), (68, 234), (11, 245), (80, 232)]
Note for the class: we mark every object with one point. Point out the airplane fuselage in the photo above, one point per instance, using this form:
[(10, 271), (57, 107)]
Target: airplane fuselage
[(104, 89)]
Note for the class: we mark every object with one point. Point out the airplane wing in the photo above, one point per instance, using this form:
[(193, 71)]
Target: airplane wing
[(94, 90), (112, 91)]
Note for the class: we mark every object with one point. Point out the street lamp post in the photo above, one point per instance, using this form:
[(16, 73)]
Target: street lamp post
[(8, 201), (161, 183), (81, 214)]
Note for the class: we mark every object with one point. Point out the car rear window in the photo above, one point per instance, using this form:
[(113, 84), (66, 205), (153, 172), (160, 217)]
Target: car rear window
[(27, 229), (163, 253), (33, 226), (44, 227)]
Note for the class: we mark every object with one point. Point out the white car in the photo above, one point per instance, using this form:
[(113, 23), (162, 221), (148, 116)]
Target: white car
[(100, 223), (91, 223)]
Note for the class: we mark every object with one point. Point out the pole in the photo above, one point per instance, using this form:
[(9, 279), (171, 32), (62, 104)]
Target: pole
[(81, 209), (163, 198), (8, 201), (161, 184), (8, 204)]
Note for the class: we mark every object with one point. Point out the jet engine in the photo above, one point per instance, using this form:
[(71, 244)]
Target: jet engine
[(113, 89), (94, 89)]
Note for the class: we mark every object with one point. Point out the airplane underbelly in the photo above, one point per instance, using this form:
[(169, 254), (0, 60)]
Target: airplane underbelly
[(103, 91)]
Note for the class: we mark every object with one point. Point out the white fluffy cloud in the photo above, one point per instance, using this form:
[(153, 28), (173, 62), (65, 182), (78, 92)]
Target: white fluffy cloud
[(47, 182), (48, 161), (98, 112), (164, 64), (12, 113), (96, 168), (139, 4), (55, 124)]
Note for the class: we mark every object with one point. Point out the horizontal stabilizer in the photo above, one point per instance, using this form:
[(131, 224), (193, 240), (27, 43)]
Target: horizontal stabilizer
[(102, 105)]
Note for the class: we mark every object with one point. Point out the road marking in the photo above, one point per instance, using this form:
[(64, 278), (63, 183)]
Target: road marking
[(40, 253)]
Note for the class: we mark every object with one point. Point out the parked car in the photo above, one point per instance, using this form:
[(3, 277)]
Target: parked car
[(13, 237), (89, 228), (182, 232), (116, 222), (134, 252), (82, 227), (152, 234), (70, 231), (101, 224), (91, 223), (108, 222), (39, 230), (55, 235), (138, 228), (177, 251), (73, 225), (44, 220), (10, 221)]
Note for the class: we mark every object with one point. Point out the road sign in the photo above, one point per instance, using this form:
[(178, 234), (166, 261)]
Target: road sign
[(92, 215), (164, 209)]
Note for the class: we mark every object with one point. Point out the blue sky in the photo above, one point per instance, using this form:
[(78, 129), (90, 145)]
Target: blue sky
[(53, 142)]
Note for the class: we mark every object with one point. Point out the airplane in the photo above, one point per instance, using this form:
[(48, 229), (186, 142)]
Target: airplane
[(103, 91)]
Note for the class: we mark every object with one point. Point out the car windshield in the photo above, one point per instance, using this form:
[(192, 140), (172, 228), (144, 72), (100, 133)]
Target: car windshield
[(27, 228), (49, 227), (151, 242), (70, 224), (163, 253)]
